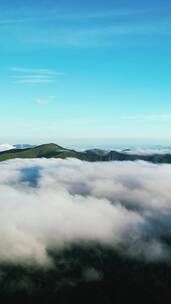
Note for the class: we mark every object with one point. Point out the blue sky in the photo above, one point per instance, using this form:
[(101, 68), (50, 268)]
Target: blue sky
[(85, 71)]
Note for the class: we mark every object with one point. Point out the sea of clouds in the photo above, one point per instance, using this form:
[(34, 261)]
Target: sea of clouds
[(146, 151), (6, 147), (52, 204)]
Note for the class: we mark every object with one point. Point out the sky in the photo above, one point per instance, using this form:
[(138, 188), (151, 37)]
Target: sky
[(74, 71)]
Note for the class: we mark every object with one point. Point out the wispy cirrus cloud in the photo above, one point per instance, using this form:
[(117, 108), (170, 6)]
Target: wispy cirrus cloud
[(44, 101), (152, 117), (54, 27), (36, 71), (97, 14), (25, 15), (92, 35), (34, 76)]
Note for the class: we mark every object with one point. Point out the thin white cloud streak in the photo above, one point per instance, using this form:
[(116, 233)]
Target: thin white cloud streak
[(154, 117), (26, 14), (45, 101), (97, 15), (15, 16), (42, 102), (35, 81), (34, 76), (35, 71), (96, 36), (51, 204), (110, 121), (78, 35)]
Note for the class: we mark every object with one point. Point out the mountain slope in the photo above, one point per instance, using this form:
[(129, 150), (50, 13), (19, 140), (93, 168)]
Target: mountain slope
[(56, 151), (47, 150)]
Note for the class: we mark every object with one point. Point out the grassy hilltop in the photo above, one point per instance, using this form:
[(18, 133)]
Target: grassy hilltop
[(55, 151)]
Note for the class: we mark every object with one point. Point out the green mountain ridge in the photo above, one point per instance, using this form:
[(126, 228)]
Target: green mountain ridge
[(55, 151)]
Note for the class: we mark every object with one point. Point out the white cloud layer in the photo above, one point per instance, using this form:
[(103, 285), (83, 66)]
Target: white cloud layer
[(5, 147), (146, 151), (51, 204)]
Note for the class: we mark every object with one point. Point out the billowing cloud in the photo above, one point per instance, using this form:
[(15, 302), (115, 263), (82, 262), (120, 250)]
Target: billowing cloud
[(51, 204), (5, 147), (147, 151)]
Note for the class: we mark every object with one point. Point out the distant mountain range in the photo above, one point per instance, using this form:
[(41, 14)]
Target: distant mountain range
[(56, 151)]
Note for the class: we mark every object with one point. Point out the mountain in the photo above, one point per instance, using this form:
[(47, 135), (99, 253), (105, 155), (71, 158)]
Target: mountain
[(56, 151), (46, 151)]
